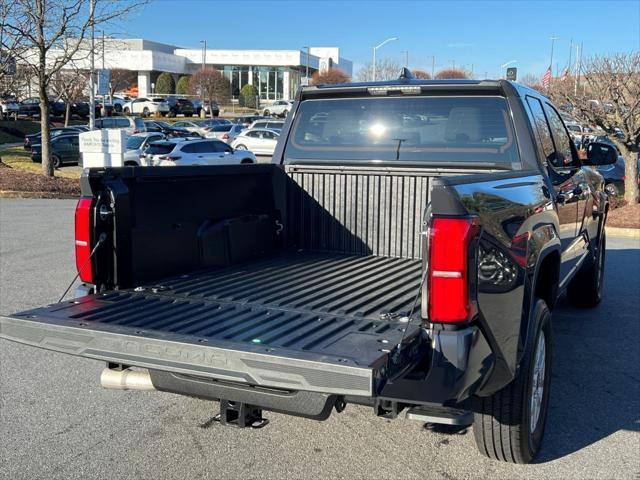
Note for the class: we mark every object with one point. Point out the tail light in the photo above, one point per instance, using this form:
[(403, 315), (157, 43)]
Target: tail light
[(225, 136), (449, 299), (135, 130), (171, 158), (83, 238)]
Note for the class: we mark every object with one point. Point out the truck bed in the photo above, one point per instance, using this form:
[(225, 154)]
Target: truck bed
[(334, 318)]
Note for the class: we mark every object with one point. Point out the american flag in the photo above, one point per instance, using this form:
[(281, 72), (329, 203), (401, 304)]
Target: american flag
[(546, 78)]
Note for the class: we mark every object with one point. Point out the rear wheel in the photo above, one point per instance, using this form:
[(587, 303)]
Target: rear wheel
[(126, 111), (145, 112), (241, 147), (585, 289), (612, 190), (266, 113), (57, 162), (509, 425)]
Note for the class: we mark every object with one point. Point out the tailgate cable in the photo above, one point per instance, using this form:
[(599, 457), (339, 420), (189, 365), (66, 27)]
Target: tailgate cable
[(413, 307), (101, 240)]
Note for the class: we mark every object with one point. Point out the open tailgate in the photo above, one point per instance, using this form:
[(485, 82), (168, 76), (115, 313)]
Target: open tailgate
[(114, 327)]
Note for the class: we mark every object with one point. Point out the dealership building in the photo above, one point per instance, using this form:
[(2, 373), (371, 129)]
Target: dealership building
[(276, 74)]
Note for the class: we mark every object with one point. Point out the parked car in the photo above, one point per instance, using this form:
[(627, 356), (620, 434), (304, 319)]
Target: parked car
[(233, 133), (30, 107), (194, 152), (198, 105), (219, 131), (195, 127), (215, 121), (275, 125), (9, 107), (415, 275), (259, 140), (36, 138), (63, 149), (614, 174), (137, 143), (130, 124), (145, 106), (246, 120), (280, 108), (169, 130), (180, 106), (118, 102)]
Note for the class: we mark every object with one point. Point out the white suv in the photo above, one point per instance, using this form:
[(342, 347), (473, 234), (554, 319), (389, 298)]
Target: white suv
[(8, 107), (193, 152), (146, 106), (279, 108)]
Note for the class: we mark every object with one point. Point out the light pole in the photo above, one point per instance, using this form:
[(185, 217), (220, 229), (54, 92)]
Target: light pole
[(374, 53), (92, 75), (306, 74), (204, 66), (505, 65), (433, 65)]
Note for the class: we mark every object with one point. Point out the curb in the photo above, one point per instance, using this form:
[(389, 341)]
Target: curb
[(44, 195), (624, 232)]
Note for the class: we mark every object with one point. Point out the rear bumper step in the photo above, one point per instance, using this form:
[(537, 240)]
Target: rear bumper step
[(250, 366)]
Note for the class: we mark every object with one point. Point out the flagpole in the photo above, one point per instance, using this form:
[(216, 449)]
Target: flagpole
[(570, 52), (553, 39)]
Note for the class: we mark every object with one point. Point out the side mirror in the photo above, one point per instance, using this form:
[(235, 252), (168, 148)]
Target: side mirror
[(601, 154)]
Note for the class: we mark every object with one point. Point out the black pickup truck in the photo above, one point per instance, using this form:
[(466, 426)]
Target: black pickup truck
[(403, 251)]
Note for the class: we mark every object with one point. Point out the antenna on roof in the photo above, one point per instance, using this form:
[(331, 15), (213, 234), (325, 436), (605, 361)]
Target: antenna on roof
[(405, 74)]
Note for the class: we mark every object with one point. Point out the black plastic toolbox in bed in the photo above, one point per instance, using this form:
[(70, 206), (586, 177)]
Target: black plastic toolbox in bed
[(321, 322)]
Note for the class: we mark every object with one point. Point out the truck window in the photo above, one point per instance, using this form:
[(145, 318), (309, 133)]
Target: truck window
[(563, 154), (404, 129), (542, 128)]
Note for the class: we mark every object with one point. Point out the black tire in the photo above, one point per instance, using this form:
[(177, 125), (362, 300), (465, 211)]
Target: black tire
[(126, 111), (56, 161), (612, 189), (266, 113), (585, 289), (145, 112), (241, 147), (246, 161), (502, 422)]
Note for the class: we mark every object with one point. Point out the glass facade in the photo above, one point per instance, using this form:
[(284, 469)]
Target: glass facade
[(270, 81)]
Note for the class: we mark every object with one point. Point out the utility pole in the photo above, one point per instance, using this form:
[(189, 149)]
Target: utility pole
[(202, 90), (92, 74), (570, 52), (406, 58)]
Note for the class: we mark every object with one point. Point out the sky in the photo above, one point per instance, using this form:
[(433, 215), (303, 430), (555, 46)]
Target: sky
[(481, 34)]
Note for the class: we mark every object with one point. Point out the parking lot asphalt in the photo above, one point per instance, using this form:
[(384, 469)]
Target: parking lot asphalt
[(56, 422)]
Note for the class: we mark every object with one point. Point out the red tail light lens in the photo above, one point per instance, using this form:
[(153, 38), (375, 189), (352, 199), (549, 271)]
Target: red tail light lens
[(225, 136), (83, 239), (449, 300), (169, 158)]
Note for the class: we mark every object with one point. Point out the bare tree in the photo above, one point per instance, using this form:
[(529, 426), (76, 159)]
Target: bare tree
[(69, 86), (386, 69), (53, 33), (333, 75), (212, 85), (121, 79), (422, 74), (609, 97), (10, 46), (451, 73), (529, 79)]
